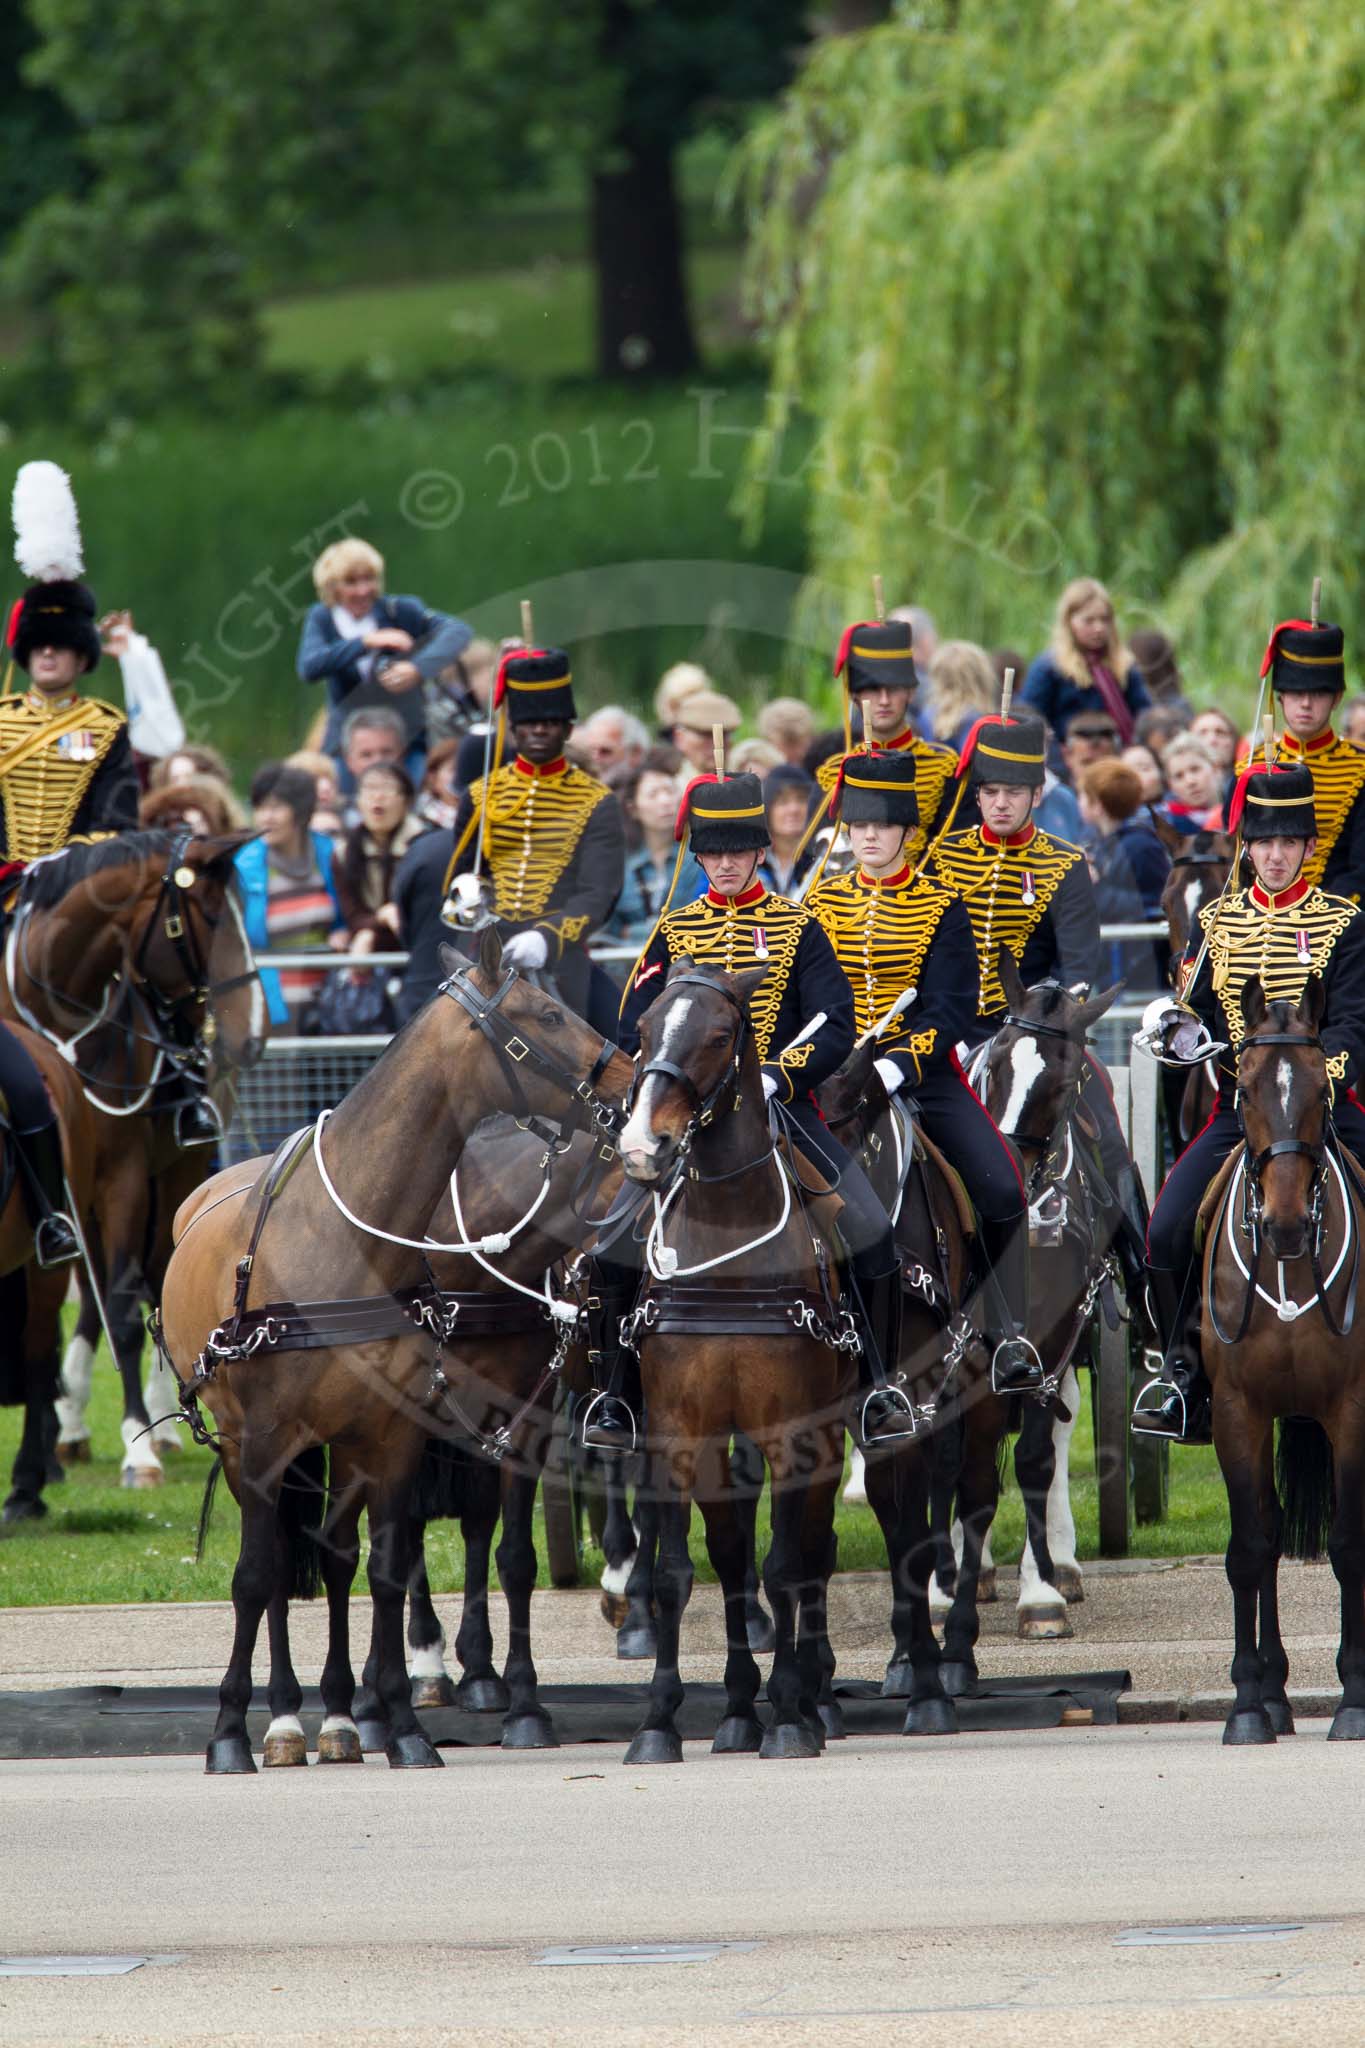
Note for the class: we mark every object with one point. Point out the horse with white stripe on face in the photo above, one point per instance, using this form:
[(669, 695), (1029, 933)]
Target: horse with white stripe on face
[(1030, 1079)]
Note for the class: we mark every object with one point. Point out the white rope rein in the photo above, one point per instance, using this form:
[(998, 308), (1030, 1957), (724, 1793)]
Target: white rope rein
[(663, 1260), (560, 1311), (66, 1047), (496, 1241), (1286, 1309)]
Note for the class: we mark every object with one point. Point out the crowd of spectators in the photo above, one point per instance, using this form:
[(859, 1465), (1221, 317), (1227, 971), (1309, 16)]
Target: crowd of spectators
[(402, 732)]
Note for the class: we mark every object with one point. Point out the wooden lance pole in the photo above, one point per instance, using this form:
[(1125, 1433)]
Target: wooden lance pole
[(528, 631)]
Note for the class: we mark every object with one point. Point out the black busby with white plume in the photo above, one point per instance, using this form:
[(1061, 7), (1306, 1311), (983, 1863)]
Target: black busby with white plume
[(57, 609)]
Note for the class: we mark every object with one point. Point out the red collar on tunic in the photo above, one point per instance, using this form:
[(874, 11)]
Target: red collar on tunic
[(866, 881), (745, 897), (555, 767), (1019, 838), (1286, 899)]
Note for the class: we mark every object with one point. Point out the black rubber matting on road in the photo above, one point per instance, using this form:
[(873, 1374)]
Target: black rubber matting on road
[(113, 1720)]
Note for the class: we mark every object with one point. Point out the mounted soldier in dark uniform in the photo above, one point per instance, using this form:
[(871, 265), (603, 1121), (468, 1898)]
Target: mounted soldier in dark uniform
[(876, 660), (802, 1017), (894, 931), (1279, 931), (1306, 666), (550, 835)]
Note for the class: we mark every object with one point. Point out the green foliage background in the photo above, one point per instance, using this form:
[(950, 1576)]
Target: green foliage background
[(1076, 289)]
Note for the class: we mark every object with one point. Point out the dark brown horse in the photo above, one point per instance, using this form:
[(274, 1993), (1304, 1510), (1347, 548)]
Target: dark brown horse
[(1280, 1342), (130, 956), (738, 1331), (31, 1297), (946, 1374), (1200, 865), (487, 1041)]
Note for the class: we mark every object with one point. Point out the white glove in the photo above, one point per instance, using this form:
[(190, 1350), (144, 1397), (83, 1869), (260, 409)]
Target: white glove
[(1160, 1012), (527, 950), (892, 1077), (769, 1087)]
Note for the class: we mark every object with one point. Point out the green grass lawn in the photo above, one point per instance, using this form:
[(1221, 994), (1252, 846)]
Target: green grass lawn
[(101, 1544), (534, 321)]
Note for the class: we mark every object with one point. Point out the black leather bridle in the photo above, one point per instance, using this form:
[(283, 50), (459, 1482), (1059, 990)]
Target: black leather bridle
[(704, 1107), (514, 1051), (172, 911)]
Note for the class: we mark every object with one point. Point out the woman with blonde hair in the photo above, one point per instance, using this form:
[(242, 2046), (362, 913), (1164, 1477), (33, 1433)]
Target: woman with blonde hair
[(963, 688), (1086, 666), (371, 649)]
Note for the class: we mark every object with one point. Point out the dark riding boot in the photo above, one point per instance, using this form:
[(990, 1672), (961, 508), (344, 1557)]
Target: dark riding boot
[(39, 1154), (197, 1122), (1016, 1367), (1179, 1403), (1128, 1222), (887, 1414), (609, 1422)]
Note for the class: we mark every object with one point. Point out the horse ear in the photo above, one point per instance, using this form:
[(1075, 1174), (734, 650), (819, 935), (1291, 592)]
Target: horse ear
[(1090, 1012), (218, 849), (1313, 1002), (747, 982), (1010, 979), (490, 953), (1253, 1003), (684, 964), (1170, 835)]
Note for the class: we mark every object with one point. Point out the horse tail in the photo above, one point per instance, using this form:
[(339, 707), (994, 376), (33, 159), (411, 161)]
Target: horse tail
[(302, 1514), (1306, 1486), (441, 1490), (206, 1507)]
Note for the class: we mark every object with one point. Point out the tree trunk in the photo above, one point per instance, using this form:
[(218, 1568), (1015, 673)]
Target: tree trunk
[(644, 327)]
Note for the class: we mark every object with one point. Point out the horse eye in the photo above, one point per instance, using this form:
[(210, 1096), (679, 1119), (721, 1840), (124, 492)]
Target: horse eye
[(719, 1040), (552, 1018)]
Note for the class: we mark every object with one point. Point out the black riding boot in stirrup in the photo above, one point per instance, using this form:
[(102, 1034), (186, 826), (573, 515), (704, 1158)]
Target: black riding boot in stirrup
[(887, 1413), (40, 1168), (1129, 1223), (609, 1422), (1179, 1404), (1016, 1367), (197, 1121)]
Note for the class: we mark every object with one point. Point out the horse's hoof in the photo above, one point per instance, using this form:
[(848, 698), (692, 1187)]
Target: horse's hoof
[(655, 1746), (1069, 1583), (1251, 1724), (529, 1731), (958, 1680), (931, 1717), (816, 1727), (986, 1594), (738, 1735), (787, 1740), (832, 1719), (899, 1681), (413, 1752), (23, 1509), (759, 1629), (1348, 1725), (340, 1745), (374, 1736), (141, 1478), (615, 1608), (1280, 1715), (169, 1443), (229, 1755), (434, 1692), (1044, 1624), (636, 1644), (285, 1746), (481, 1696), (77, 1453)]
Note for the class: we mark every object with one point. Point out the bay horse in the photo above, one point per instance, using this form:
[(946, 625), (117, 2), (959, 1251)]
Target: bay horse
[(31, 1296), (1200, 865), (738, 1330), (129, 956), (946, 1372), (1029, 1077), (1281, 1271), (356, 1375)]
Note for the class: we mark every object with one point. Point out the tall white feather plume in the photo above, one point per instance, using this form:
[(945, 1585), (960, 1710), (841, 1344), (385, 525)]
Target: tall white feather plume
[(47, 543)]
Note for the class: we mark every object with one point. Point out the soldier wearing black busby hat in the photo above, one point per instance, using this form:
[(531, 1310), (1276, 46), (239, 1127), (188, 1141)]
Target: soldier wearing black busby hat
[(66, 768), (1307, 669), (737, 924), (894, 931), (1280, 930), (1032, 894), (876, 662), (550, 836)]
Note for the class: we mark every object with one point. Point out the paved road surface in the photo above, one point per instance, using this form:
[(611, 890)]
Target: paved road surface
[(964, 1891)]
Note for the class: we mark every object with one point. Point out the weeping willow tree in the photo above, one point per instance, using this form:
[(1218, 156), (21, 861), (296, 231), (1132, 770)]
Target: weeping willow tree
[(1074, 288)]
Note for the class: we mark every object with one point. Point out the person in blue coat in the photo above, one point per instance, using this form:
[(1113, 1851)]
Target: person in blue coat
[(1086, 667), (289, 896), (373, 649)]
